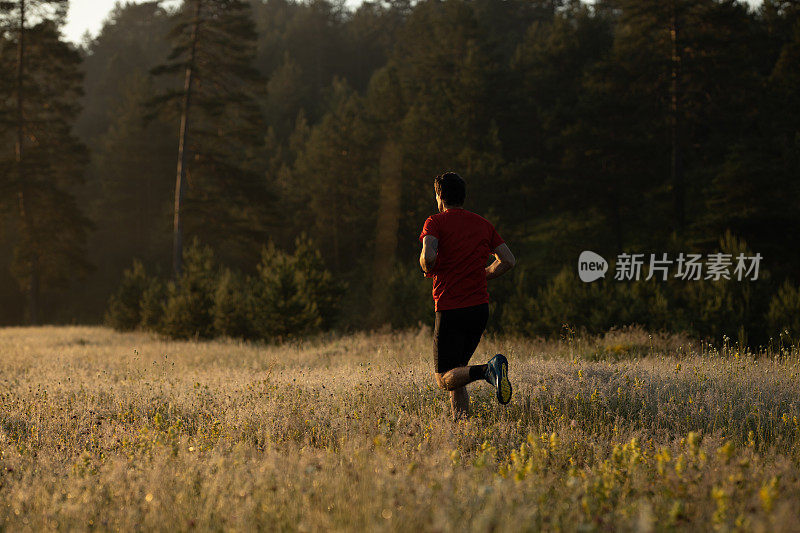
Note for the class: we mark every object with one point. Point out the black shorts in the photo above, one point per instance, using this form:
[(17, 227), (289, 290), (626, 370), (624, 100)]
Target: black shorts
[(456, 334)]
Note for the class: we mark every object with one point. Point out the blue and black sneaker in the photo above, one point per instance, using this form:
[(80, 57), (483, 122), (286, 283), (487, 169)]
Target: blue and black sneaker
[(497, 376)]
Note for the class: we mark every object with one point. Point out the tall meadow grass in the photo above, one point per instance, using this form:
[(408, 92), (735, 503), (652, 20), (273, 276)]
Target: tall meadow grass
[(626, 431)]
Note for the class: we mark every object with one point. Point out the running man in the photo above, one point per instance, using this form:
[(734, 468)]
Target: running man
[(456, 245)]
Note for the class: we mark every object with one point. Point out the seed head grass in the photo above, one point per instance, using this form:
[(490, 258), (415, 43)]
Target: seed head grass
[(626, 431)]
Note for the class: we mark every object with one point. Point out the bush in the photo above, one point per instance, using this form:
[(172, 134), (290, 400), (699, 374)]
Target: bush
[(320, 286), (153, 303), (190, 303), (594, 307), (410, 298), (124, 306), (644, 303), (519, 308), (291, 295), (283, 307), (568, 300), (783, 317), (725, 307), (232, 306)]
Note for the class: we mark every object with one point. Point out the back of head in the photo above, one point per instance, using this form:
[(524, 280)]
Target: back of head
[(451, 188)]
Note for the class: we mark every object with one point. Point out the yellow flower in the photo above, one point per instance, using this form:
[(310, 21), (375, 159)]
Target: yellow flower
[(680, 464), (726, 451), (768, 494)]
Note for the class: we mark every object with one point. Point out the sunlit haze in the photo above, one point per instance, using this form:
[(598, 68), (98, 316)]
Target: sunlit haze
[(88, 16)]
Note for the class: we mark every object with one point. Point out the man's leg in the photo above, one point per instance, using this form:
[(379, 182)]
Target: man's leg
[(497, 373), (455, 381), (460, 376), (455, 339), (459, 402)]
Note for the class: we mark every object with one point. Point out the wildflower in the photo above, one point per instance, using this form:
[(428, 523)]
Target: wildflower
[(693, 439), (768, 494), (676, 512), (680, 464), (726, 451), (721, 497), (662, 459)]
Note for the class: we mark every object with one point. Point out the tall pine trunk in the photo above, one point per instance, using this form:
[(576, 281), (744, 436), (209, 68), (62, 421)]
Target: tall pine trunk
[(24, 214), (180, 180), (676, 162)]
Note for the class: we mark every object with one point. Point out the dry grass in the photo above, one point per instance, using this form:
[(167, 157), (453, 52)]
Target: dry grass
[(100, 430)]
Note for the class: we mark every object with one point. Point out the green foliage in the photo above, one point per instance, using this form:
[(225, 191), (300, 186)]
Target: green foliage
[(319, 284), (784, 312), (725, 307), (291, 295), (227, 202), (556, 304), (125, 306), (153, 303), (594, 307), (189, 310), (335, 179), (707, 308), (44, 161), (232, 306), (282, 306), (410, 298), (562, 116)]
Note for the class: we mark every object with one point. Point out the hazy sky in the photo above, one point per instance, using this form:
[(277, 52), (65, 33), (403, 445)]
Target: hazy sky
[(88, 15)]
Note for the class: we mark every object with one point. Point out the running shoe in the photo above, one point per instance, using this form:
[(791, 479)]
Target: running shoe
[(497, 375)]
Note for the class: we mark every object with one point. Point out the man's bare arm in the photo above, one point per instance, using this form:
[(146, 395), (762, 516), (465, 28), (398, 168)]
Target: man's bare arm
[(427, 258), (504, 261)]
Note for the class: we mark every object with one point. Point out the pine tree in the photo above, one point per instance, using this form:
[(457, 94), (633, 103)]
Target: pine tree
[(219, 192), (189, 308), (232, 306), (129, 43), (334, 179), (559, 192), (128, 195), (385, 109), (689, 62), (751, 188), (40, 108), (446, 69), (125, 305), (282, 306)]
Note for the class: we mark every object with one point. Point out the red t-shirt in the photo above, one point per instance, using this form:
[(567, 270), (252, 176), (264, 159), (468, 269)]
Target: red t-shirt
[(466, 241)]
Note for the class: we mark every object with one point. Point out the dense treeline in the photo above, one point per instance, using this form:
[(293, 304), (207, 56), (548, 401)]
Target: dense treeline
[(621, 126)]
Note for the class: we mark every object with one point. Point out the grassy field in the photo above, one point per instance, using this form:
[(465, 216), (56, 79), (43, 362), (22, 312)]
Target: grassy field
[(100, 430)]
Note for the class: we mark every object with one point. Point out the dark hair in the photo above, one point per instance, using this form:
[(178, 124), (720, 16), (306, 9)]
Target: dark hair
[(451, 187)]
